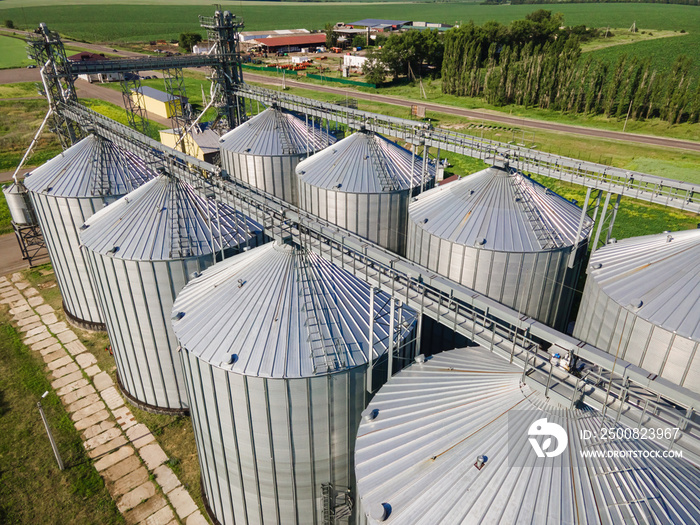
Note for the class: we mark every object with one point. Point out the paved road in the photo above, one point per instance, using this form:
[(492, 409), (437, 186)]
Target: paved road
[(492, 116)]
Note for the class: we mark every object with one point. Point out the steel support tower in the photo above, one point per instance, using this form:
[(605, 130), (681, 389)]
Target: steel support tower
[(58, 81), (222, 30)]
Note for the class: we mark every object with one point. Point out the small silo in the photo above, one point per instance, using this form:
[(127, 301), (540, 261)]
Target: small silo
[(275, 352), (65, 192), (19, 204), (363, 183), (265, 150), (450, 441), (641, 303), (141, 251), (505, 236)]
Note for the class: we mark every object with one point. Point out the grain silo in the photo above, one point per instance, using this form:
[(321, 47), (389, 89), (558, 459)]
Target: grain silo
[(363, 183), (264, 151), (641, 303), (65, 192), (275, 351), (19, 204), (459, 450), (141, 251), (505, 236)]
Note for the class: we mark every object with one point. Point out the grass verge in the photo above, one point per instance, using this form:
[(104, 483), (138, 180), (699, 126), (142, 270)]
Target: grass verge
[(32, 489)]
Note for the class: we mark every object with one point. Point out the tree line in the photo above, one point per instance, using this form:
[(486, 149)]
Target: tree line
[(537, 64)]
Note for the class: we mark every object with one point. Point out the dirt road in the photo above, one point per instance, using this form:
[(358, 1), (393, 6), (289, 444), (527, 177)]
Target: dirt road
[(492, 116), (11, 256)]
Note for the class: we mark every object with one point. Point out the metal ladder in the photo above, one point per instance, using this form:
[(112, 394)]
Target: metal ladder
[(180, 224), (285, 133), (546, 235), (102, 166), (388, 182), (325, 353)]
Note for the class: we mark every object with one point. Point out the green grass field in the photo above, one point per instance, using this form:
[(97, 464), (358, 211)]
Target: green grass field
[(99, 22), (117, 113), (634, 217), (13, 53), (96, 22), (32, 489), (19, 122)]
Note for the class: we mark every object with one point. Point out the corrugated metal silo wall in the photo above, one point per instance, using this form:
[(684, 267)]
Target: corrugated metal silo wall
[(266, 446), (137, 300), (21, 209), (379, 217), (275, 175), (60, 220), (604, 323), (539, 285)]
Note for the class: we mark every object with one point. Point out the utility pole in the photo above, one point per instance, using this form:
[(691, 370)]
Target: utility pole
[(48, 431)]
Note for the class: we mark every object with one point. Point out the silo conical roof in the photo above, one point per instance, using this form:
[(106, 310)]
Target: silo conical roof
[(427, 428), (92, 167), (499, 209), (275, 132), (165, 219), (659, 272), (364, 162), (279, 311)]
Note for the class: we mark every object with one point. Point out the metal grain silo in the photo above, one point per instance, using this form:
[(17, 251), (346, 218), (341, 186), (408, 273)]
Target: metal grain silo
[(505, 236), (275, 351), (363, 183), (447, 441), (641, 303), (265, 150), (141, 251), (19, 204), (65, 192)]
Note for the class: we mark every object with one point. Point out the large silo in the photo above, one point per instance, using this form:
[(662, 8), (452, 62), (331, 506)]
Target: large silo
[(141, 251), (265, 150), (65, 192), (505, 236), (450, 441), (275, 351), (641, 303), (364, 183)]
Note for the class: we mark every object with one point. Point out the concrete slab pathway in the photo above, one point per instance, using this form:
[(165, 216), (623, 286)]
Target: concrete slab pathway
[(125, 452)]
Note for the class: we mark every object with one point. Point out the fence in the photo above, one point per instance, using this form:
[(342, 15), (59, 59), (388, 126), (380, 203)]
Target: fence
[(311, 75)]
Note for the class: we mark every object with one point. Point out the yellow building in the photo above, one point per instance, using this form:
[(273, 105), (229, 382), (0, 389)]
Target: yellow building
[(157, 102), (200, 143)]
